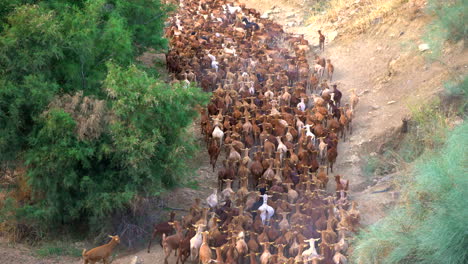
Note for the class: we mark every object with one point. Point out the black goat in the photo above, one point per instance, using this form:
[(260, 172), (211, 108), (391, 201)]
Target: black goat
[(250, 25), (337, 95)]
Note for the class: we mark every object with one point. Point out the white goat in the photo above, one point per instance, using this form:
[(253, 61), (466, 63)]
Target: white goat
[(196, 241), (252, 88), (227, 50), (309, 133), (215, 65), (301, 106), (311, 252), (319, 70), (233, 9), (266, 211), (212, 200), (219, 134), (282, 149)]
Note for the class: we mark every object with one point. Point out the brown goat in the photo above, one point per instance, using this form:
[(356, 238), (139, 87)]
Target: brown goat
[(330, 70), (162, 228), (100, 253), (321, 40), (172, 242)]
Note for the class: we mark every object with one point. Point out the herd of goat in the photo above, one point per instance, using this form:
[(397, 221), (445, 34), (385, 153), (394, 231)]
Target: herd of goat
[(279, 122)]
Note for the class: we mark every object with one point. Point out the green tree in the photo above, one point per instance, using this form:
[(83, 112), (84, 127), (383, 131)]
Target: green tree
[(89, 159), (93, 129), (65, 44)]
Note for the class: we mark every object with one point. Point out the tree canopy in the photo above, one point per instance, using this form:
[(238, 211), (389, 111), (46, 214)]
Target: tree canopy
[(91, 127)]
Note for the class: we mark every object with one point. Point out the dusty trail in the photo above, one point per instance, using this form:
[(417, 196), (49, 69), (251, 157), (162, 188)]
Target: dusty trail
[(387, 71)]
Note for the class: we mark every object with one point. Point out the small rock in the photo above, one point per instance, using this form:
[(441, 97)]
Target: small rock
[(423, 47), (363, 92), (134, 260), (299, 21), (391, 102), (375, 107), (266, 14), (275, 10), (291, 24), (332, 35), (387, 178), (290, 15), (353, 158), (376, 21)]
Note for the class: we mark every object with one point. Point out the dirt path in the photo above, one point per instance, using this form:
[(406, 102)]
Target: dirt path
[(389, 73)]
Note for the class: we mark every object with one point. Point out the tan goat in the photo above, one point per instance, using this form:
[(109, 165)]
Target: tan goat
[(172, 242), (100, 253)]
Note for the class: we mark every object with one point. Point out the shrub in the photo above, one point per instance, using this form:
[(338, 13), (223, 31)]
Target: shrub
[(92, 132), (85, 163), (429, 225), (49, 250), (450, 23)]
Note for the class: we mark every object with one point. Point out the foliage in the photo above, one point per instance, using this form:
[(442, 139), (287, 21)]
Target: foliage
[(93, 131), (150, 116), (145, 19), (56, 249), (379, 164), (18, 105), (430, 124), (428, 226), (428, 129), (459, 88), (140, 150), (450, 23), (57, 47)]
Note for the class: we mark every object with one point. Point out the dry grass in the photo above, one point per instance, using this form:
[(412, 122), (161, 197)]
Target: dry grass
[(90, 114), (356, 16)]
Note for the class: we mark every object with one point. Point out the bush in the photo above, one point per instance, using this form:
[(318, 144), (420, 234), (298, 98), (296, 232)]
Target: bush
[(88, 159), (429, 225), (450, 23), (92, 132), (49, 250), (379, 165)]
